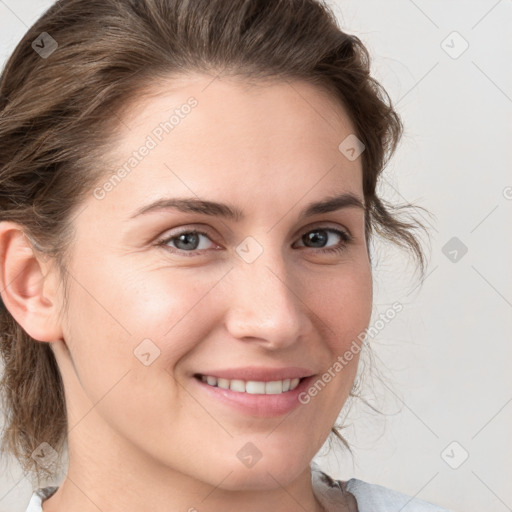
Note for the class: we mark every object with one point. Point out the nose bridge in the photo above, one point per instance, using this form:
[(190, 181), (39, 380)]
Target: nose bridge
[(265, 304)]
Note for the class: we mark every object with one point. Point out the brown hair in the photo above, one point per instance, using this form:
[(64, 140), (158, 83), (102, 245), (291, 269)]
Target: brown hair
[(59, 113)]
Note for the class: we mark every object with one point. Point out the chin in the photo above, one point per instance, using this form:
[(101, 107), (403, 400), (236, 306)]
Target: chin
[(277, 470)]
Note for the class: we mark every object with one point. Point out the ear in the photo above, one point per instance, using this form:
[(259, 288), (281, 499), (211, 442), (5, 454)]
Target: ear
[(28, 285)]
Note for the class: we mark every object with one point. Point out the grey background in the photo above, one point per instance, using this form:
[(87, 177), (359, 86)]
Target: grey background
[(445, 392)]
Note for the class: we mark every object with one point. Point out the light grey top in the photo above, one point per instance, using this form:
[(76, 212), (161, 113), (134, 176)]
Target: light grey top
[(331, 494), (369, 497)]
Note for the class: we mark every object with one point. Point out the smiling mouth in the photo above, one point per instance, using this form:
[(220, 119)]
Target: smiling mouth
[(253, 387)]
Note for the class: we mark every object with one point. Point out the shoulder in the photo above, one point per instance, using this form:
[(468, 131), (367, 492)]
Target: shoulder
[(369, 497), (374, 498), (39, 495)]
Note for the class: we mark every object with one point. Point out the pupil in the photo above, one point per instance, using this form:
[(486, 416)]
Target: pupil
[(187, 238), (317, 237)]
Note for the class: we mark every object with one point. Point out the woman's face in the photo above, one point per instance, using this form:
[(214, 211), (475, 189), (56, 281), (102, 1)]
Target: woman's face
[(269, 290)]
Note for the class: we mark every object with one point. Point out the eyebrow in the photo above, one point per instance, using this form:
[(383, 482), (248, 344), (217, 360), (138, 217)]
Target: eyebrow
[(205, 207)]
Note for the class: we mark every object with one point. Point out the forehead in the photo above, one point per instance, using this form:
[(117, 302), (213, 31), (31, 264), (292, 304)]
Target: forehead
[(218, 137)]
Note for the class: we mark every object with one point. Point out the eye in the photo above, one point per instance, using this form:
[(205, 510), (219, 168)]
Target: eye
[(186, 241), (318, 239)]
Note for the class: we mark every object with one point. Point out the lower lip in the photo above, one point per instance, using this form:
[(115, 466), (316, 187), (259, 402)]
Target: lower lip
[(257, 404)]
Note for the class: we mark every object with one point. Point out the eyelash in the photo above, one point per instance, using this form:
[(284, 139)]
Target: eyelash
[(345, 237)]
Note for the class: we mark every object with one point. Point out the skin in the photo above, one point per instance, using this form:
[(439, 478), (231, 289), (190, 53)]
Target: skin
[(144, 437)]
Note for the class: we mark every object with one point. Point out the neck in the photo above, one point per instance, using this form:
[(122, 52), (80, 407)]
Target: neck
[(129, 483)]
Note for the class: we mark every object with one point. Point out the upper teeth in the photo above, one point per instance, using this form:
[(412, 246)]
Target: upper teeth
[(251, 386)]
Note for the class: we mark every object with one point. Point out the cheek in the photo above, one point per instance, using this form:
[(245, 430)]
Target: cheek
[(343, 302), (126, 332), (112, 314)]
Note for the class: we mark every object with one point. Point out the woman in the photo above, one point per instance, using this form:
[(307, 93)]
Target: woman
[(188, 193)]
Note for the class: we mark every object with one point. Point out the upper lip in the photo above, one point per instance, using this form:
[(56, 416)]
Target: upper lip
[(262, 374)]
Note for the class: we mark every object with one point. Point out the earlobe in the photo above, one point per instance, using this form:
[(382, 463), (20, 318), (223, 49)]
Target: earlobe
[(26, 285)]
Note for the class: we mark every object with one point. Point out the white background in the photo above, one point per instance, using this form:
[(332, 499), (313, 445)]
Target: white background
[(445, 359)]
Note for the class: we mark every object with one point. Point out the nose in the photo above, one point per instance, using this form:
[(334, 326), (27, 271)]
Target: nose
[(266, 303)]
